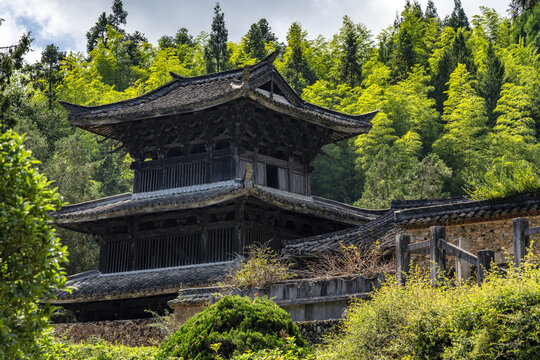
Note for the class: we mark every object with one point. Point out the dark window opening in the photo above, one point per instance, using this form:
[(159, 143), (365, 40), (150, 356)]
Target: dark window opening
[(221, 145), (272, 179)]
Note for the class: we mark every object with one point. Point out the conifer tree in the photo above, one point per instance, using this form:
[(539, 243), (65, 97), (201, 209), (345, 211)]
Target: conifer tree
[(431, 11), (354, 46), (296, 68), (457, 19), (99, 30), (254, 42), (216, 52), (491, 82)]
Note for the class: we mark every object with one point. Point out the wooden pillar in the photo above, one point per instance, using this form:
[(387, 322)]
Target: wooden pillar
[(255, 166), (463, 268), (485, 258), (521, 240), (403, 257), (103, 255), (437, 255), (236, 164), (289, 173), (204, 246), (134, 223)]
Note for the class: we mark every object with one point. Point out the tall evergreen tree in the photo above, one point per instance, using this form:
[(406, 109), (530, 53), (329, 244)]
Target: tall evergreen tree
[(266, 31), (254, 42), (99, 30), (50, 60), (431, 11), (216, 53), (297, 69), (491, 82), (354, 46), (457, 19)]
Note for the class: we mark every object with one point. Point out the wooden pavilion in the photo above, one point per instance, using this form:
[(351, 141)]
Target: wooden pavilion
[(221, 161)]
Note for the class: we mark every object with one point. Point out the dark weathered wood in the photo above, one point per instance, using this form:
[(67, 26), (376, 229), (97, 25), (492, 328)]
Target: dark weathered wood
[(521, 240), (453, 250), (419, 247), (463, 268), (532, 231), (403, 257), (485, 258), (437, 255)]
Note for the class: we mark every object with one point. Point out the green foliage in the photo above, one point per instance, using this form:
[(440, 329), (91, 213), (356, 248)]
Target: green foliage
[(30, 267), (96, 350), (261, 268), (238, 325), (506, 178), (291, 352), (498, 320), (216, 53)]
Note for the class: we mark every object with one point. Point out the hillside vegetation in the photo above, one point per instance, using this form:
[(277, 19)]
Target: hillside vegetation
[(459, 101)]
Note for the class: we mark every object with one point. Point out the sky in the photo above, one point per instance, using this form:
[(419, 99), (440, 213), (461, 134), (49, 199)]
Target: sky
[(65, 22)]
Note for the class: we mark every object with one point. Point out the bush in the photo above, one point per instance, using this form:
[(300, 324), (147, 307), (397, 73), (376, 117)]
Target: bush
[(30, 253), (97, 350), (262, 267), (237, 324), (498, 320)]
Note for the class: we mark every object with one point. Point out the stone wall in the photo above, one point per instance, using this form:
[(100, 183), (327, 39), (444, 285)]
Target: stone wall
[(487, 235), (315, 332), (139, 333), (136, 332)]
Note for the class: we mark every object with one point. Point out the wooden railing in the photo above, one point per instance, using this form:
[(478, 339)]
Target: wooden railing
[(522, 233), (438, 248)]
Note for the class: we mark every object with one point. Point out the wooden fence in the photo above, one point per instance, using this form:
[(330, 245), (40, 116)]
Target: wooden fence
[(437, 247)]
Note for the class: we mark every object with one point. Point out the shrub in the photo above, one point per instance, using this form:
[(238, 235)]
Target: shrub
[(498, 320), (262, 267), (96, 350), (350, 260), (237, 324), (291, 352), (30, 252)]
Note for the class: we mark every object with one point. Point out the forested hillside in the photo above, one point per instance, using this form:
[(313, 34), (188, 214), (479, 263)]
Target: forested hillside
[(459, 101)]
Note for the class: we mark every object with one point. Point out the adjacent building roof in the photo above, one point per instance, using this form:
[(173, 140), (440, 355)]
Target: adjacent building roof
[(382, 229), (464, 211), (185, 95), (206, 195), (95, 286)]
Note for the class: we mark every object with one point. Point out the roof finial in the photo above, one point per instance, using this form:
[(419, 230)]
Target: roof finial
[(245, 74)]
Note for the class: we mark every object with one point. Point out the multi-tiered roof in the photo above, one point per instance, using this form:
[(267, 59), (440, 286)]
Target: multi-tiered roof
[(220, 161)]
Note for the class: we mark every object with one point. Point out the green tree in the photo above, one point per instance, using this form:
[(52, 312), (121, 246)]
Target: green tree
[(254, 42), (490, 83), (457, 19), (9, 62), (465, 128), (354, 45), (99, 30), (216, 53), (296, 67), (31, 253)]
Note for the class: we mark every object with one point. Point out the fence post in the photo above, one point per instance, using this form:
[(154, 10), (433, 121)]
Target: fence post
[(437, 256), (463, 268), (485, 258), (521, 241), (403, 257)]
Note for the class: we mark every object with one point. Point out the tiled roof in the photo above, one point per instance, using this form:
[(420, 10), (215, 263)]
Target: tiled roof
[(380, 229), (196, 93), (206, 195), (95, 286), (468, 211)]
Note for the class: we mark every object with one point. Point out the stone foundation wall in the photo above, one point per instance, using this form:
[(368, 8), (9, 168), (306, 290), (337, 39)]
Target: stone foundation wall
[(136, 332), (488, 235), (139, 333), (315, 332)]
